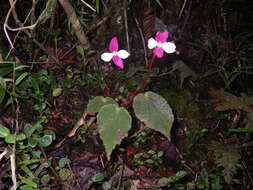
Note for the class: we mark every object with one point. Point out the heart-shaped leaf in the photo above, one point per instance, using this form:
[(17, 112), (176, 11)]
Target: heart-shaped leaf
[(113, 123), (154, 111), (98, 102)]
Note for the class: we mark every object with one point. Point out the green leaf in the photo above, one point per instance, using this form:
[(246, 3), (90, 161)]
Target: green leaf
[(30, 129), (51, 133), (228, 157), (99, 177), (180, 174), (63, 162), (154, 111), (167, 181), (27, 170), (34, 84), (46, 188), (184, 71), (98, 102), (20, 78), (113, 124), (2, 89), (80, 50), (45, 179), (242, 130), (26, 187), (21, 137), (4, 131), (46, 140), (9, 139), (29, 182), (64, 174), (57, 92), (5, 68), (28, 162), (2, 94), (33, 142)]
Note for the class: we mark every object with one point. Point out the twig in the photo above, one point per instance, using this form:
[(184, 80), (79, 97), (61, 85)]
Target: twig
[(70, 11), (126, 26), (3, 153), (94, 10), (79, 123), (186, 18), (6, 24), (15, 110), (120, 177), (94, 26), (13, 171), (143, 41), (12, 9), (102, 162), (182, 9), (14, 14), (67, 52)]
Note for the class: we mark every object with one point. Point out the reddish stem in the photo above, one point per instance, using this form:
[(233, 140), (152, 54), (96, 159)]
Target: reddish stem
[(146, 76)]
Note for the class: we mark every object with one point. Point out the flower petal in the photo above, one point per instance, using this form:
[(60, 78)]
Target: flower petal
[(162, 36), (106, 57), (118, 62), (123, 54), (158, 52), (114, 46), (152, 43), (169, 47)]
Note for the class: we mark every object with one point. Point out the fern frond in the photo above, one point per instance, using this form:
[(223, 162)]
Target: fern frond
[(227, 157)]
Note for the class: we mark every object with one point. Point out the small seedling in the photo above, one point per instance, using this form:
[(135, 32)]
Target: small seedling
[(149, 158)]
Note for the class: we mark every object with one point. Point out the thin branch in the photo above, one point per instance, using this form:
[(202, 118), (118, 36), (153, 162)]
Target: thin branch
[(17, 21), (126, 26), (75, 23), (6, 23), (13, 171), (96, 25), (182, 9), (94, 10), (14, 14), (186, 19), (3, 154), (143, 41)]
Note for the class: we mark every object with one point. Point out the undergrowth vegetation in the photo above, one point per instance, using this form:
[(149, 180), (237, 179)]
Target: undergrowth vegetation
[(125, 95)]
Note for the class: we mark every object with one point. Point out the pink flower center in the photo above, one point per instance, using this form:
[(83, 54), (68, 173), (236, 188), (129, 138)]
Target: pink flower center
[(159, 44), (115, 53)]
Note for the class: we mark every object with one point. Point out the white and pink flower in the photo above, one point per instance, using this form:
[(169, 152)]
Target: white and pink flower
[(115, 55), (160, 44)]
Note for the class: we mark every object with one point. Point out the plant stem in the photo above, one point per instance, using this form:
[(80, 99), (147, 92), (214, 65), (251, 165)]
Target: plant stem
[(146, 76)]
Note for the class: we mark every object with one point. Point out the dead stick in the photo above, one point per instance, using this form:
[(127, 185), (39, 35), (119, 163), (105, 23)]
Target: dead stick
[(75, 23)]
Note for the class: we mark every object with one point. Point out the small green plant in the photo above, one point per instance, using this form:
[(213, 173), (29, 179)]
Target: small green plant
[(8, 81), (150, 158), (63, 168), (114, 122), (231, 64), (28, 158), (140, 138), (204, 180), (99, 178), (226, 157), (83, 131), (169, 181)]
